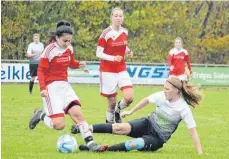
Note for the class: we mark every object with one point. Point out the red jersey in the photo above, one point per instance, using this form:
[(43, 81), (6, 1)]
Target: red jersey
[(113, 43), (178, 59), (54, 64)]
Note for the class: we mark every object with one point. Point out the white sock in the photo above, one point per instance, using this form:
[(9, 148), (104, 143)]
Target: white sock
[(110, 116), (91, 128), (84, 129), (48, 121), (121, 105)]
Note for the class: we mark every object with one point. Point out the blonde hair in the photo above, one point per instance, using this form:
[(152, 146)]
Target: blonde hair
[(114, 9), (36, 34), (190, 93), (181, 40)]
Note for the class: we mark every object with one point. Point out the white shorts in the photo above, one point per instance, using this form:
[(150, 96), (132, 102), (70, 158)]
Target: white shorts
[(60, 95), (110, 81), (181, 77)]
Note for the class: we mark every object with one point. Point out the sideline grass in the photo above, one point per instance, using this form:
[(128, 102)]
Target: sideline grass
[(19, 142)]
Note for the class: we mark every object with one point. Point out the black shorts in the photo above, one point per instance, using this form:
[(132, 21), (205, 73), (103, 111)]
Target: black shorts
[(33, 69), (142, 128)]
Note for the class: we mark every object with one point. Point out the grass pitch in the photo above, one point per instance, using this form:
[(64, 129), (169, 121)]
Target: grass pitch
[(19, 142)]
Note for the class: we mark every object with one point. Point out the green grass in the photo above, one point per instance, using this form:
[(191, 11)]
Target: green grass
[(19, 142)]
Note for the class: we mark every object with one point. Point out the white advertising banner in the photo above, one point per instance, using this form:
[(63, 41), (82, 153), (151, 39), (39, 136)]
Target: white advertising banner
[(11, 72)]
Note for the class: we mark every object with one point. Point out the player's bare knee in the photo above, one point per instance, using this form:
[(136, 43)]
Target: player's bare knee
[(58, 125), (129, 100), (116, 128)]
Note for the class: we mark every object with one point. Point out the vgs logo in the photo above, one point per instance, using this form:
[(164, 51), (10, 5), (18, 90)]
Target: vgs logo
[(148, 71)]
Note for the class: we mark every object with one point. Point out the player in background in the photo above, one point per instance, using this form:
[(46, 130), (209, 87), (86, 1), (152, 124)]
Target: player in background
[(58, 96), (150, 133), (112, 49), (178, 59), (34, 52)]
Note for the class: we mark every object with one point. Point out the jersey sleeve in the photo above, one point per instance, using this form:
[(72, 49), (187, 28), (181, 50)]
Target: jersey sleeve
[(29, 50), (153, 98), (100, 50), (73, 62), (187, 59), (187, 117), (42, 67)]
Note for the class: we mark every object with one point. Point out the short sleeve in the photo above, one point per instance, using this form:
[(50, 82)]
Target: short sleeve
[(187, 116), (153, 98), (29, 50)]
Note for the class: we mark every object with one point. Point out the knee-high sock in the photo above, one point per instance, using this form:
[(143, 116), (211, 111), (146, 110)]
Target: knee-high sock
[(110, 116), (86, 132), (134, 144), (48, 121), (101, 128), (31, 83), (121, 105)]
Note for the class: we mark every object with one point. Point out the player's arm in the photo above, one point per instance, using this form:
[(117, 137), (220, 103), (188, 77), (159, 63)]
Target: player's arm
[(170, 58), (43, 65), (74, 63), (195, 139), (129, 53), (145, 101), (187, 59), (100, 52), (187, 116)]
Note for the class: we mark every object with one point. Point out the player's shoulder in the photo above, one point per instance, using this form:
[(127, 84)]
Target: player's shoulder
[(124, 29), (105, 31), (185, 51), (172, 51)]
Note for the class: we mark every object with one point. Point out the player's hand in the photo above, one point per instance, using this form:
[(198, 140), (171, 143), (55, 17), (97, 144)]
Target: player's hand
[(44, 93), (171, 68), (126, 113), (118, 58), (82, 64), (130, 54)]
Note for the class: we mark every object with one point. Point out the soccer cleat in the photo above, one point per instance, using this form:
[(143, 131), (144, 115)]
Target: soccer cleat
[(93, 147), (75, 129), (83, 148), (117, 117), (35, 119)]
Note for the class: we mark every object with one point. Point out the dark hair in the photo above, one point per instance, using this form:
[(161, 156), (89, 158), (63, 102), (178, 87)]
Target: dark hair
[(63, 27), (52, 38)]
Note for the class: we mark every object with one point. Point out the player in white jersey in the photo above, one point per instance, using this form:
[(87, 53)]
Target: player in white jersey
[(58, 96), (34, 52), (172, 106)]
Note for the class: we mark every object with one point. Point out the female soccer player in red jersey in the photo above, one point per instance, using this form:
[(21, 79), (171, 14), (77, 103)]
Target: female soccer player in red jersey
[(111, 49), (178, 58), (58, 96)]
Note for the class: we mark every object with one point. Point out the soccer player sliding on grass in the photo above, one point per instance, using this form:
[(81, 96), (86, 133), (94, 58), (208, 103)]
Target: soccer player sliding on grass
[(150, 133)]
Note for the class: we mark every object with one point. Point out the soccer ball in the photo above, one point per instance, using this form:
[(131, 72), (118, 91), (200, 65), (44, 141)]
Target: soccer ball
[(66, 144)]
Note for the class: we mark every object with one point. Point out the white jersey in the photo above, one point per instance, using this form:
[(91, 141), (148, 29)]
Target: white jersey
[(167, 116), (33, 48)]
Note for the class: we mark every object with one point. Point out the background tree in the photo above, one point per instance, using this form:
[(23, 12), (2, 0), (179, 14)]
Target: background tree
[(152, 26)]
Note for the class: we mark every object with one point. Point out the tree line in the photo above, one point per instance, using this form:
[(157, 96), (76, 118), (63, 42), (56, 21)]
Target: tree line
[(152, 25)]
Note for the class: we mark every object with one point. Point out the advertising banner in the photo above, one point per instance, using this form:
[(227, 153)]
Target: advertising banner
[(139, 74), (210, 76)]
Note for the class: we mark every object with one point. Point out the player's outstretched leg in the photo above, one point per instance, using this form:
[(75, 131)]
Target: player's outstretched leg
[(37, 116), (93, 148)]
